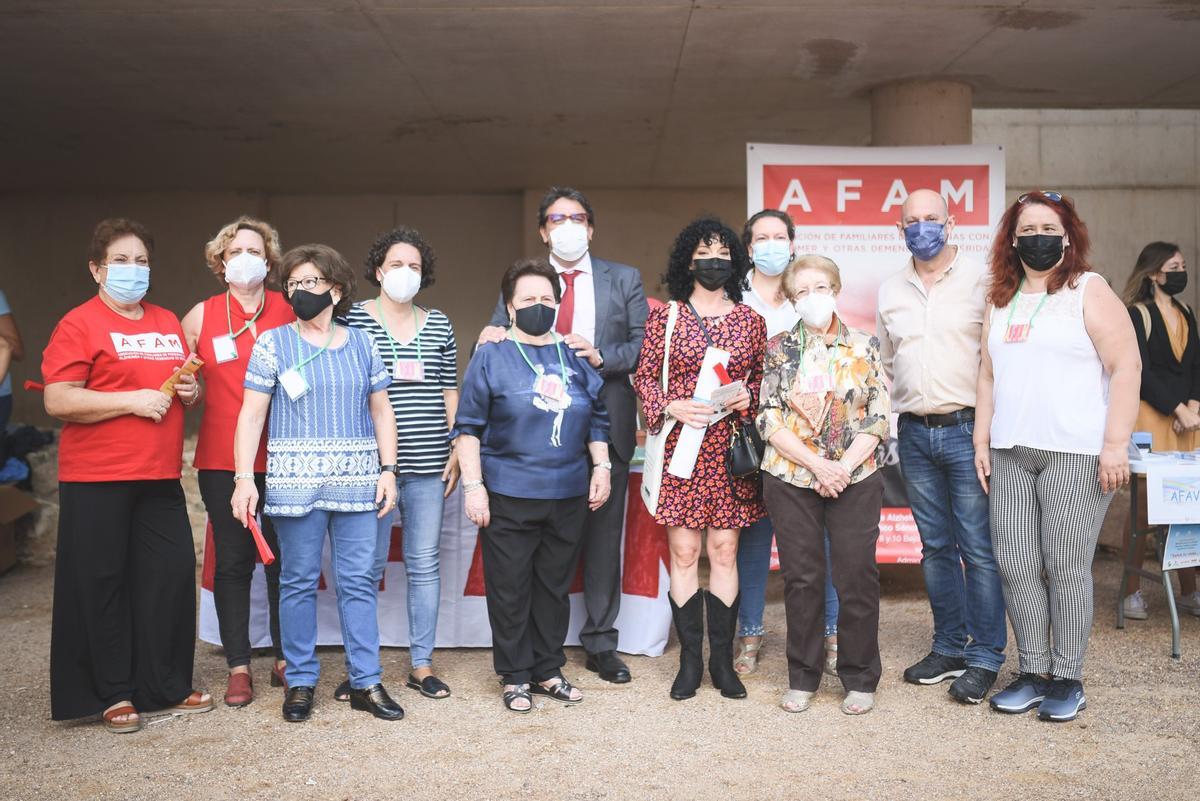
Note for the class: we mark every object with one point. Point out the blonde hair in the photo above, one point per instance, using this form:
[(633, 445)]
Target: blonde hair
[(811, 261), (214, 251)]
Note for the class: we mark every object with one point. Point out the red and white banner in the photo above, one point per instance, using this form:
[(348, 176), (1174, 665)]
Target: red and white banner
[(846, 202), (643, 623)]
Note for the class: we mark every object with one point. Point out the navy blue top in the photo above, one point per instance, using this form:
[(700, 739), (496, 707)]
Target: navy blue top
[(531, 446)]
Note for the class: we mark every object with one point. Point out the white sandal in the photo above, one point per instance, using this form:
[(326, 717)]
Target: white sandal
[(747, 658), (796, 700), (858, 703)]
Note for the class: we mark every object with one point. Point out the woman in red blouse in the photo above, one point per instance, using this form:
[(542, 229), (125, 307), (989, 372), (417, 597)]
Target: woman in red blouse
[(704, 278), (222, 331), (124, 629)]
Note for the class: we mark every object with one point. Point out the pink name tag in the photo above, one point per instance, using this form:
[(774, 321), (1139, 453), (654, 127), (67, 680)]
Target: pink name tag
[(1017, 332), (818, 384), (408, 370), (549, 387)]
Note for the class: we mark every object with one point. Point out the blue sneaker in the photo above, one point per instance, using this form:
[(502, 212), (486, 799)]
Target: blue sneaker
[(1026, 691), (1063, 701)]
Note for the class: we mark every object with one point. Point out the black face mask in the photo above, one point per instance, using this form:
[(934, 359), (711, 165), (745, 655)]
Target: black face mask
[(308, 305), (1175, 283), (535, 320), (1040, 251), (712, 273)]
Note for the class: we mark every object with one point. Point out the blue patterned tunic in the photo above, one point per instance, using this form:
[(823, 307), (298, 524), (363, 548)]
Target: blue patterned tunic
[(321, 447)]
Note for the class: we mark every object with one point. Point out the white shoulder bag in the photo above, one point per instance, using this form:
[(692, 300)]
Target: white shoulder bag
[(656, 444)]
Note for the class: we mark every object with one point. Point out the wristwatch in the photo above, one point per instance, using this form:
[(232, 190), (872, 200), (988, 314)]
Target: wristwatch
[(388, 468), (603, 466)]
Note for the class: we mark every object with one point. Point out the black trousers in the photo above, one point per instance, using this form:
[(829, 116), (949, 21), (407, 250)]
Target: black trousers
[(124, 625), (530, 552), (602, 564), (235, 559), (801, 517)]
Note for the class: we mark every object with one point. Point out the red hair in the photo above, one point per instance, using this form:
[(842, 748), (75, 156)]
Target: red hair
[(1006, 268)]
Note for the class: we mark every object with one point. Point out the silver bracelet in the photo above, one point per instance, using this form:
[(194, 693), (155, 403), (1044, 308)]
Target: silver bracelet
[(470, 486), (243, 476)]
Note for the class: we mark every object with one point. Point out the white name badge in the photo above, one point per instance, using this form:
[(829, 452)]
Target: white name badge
[(294, 384), (408, 370), (819, 383), (549, 387), (225, 348)]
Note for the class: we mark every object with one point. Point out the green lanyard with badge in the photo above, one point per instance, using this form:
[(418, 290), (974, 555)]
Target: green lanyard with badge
[(1020, 332), (404, 369), (293, 381), (225, 345), (549, 386)]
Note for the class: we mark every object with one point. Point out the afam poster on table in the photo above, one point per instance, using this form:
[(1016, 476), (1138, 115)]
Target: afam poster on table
[(846, 202)]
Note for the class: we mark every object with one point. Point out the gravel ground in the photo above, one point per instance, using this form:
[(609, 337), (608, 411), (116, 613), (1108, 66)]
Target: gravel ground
[(1138, 739)]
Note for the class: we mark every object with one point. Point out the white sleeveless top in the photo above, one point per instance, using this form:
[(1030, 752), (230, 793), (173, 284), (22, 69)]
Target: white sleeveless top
[(1050, 391)]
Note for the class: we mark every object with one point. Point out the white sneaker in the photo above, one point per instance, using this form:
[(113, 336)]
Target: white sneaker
[(1189, 603), (1135, 606)]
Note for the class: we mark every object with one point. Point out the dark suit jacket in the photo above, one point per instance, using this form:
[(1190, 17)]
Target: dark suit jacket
[(1166, 383), (620, 327)]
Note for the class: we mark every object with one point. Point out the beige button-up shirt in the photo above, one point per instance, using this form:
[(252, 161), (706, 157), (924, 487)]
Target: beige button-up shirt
[(929, 341)]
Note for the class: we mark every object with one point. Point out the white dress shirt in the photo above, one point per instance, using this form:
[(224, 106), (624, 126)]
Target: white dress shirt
[(779, 318), (583, 321), (929, 341)]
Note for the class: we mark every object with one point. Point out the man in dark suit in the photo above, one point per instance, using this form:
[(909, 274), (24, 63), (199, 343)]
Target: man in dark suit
[(602, 316)]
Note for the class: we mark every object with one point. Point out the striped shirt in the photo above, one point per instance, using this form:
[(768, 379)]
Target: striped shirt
[(423, 446)]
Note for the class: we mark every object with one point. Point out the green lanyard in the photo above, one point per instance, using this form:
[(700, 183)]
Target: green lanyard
[(804, 347), (325, 347), (392, 339), (1013, 308), (557, 346), (250, 322)]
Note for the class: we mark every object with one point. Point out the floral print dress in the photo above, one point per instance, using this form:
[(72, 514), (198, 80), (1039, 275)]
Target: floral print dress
[(707, 499)]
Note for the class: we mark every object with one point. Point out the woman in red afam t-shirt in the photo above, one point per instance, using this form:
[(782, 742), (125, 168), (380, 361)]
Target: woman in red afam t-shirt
[(124, 629), (222, 331)]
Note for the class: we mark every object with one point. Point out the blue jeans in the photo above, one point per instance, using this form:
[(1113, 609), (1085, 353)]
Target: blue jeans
[(352, 537), (754, 565), (419, 512), (951, 512)]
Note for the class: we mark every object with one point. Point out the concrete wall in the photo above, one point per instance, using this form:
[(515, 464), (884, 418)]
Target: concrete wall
[(1135, 176)]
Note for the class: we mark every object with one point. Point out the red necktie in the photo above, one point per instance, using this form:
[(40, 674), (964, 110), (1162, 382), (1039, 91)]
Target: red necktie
[(566, 309)]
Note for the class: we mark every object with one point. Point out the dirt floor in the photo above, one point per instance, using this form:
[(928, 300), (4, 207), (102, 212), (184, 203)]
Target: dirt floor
[(1138, 738)]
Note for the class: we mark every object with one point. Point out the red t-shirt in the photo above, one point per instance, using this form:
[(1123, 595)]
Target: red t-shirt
[(111, 353)]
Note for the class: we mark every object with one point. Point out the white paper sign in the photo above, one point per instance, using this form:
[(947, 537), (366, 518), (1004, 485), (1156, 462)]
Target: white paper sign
[(1173, 493), (687, 447), (1182, 548)]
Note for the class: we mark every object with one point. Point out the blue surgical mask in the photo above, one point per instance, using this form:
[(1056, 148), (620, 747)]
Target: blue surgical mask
[(772, 256), (925, 239), (127, 283)]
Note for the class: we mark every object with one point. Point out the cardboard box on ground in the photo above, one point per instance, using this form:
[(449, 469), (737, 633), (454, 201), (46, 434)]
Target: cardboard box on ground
[(14, 505)]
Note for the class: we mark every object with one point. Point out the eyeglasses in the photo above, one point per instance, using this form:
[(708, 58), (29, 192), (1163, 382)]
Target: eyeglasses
[(307, 284), (1049, 194), (559, 219)]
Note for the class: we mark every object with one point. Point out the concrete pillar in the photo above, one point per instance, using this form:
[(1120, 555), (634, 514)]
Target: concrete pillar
[(921, 112)]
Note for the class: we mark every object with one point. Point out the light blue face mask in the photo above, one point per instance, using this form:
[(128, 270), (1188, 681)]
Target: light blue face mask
[(127, 283), (925, 239), (772, 256)]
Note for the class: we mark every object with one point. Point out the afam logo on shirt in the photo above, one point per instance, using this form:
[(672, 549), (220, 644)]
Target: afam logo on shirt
[(151, 345)]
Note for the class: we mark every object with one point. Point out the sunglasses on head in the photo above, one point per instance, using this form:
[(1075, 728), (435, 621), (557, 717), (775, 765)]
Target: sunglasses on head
[(1049, 194)]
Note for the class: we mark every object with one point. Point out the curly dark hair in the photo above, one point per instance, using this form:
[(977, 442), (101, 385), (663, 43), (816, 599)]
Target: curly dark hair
[(401, 235), (678, 278), (112, 229)]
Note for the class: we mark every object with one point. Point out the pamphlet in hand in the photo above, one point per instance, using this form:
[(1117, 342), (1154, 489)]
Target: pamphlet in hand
[(721, 397)]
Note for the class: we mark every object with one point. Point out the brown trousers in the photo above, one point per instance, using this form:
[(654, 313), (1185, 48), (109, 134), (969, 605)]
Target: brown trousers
[(800, 517)]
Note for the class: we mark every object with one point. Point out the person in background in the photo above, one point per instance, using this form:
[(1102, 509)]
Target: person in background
[(769, 237), (222, 331), (602, 317), (930, 315), (1169, 409), (705, 275), (530, 418), (11, 350), (1055, 407), (123, 635), (331, 462), (824, 411), (418, 349)]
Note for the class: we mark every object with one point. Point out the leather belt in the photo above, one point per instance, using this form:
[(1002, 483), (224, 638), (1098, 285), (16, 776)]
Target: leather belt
[(966, 415)]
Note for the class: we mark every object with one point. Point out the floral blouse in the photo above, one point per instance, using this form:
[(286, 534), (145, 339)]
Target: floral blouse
[(824, 394)]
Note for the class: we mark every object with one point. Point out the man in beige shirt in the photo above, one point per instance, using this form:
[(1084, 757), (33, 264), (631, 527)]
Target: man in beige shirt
[(930, 317)]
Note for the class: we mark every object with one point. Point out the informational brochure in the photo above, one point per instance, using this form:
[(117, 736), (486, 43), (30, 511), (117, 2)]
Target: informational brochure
[(1182, 548)]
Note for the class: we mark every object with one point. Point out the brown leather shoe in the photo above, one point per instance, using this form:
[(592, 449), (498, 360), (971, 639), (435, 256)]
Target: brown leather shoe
[(240, 690)]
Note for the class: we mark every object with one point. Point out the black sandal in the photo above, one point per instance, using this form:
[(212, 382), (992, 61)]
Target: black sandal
[(522, 692), (342, 693), (430, 687), (560, 692)]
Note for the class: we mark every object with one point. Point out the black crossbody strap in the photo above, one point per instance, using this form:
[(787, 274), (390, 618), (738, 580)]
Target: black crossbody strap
[(700, 320)]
